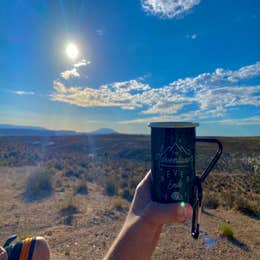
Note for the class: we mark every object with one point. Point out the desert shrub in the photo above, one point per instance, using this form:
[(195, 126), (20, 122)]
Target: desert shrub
[(71, 173), (58, 166), (119, 204), (84, 164), (123, 184), (81, 188), (229, 198), (68, 206), (89, 178), (125, 176), (58, 183), (67, 250), (226, 231), (211, 201), (111, 187), (126, 194), (248, 207), (39, 185), (133, 183)]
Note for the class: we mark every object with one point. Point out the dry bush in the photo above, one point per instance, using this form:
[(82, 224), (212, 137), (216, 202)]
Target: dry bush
[(111, 187), (68, 206), (81, 188), (248, 207), (58, 183), (119, 204), (39, 185), (211, 201), (127, 194)]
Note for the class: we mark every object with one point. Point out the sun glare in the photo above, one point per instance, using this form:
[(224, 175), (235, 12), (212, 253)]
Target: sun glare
[(72, 51)]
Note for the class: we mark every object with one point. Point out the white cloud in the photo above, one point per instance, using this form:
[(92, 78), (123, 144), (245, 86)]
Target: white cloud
[(168, 8), (189, 116), (118, 94), (254, 120), (100, 32), (208, 95), (21, 92), (67, 74), (192, 36), (81, 63)]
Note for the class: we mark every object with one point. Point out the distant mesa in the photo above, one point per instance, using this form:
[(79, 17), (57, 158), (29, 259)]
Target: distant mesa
[(17, 130)]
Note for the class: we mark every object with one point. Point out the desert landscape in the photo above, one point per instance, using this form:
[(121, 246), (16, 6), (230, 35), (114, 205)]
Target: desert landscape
[(75, 191)]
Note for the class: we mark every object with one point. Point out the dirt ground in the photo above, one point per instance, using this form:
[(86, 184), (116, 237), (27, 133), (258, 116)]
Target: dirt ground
[(95, 225)]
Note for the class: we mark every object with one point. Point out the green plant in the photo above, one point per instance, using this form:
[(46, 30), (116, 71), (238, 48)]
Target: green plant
[(226, 231), (67, 250)]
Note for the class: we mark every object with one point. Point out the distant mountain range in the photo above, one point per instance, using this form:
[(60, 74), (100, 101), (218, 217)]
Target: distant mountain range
[(17, 130)]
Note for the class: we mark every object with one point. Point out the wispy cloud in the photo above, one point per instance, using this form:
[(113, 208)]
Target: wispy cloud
[(168, 8), (192, 36), (100, 32), (67, 74), (21, 92), (81, 63), (254, 120), (74, 72), (208, 95)]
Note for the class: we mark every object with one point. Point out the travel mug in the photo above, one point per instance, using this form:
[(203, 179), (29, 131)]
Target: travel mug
[(174, 179)]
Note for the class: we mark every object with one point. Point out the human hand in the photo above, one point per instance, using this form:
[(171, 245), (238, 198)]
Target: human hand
[(3, 254), (141, 231), (152, 213)]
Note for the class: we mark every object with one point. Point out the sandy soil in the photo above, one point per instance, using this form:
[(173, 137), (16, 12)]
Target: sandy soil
[(96, 224)]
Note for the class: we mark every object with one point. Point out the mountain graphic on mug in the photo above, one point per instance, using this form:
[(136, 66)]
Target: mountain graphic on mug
[(174, 155)]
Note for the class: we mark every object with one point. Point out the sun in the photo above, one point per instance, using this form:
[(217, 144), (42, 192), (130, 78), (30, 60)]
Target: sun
[(72, 51)]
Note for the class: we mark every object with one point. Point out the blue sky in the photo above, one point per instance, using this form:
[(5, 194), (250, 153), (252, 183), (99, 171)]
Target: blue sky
[(138, 61)]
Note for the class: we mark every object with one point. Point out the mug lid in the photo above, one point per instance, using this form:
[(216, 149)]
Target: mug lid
[(173, 124)]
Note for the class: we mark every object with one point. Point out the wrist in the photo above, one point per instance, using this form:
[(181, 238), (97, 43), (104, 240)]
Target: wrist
[(142, 224)]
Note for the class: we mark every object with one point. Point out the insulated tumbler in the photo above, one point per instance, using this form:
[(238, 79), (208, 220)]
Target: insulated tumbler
[(173, 166)]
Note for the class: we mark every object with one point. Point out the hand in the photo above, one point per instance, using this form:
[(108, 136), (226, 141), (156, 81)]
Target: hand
[(152, 213), (3, 254), (141, 231)]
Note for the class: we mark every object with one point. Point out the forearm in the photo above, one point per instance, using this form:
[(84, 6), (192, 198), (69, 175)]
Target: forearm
[(137, 240), (141, 231)]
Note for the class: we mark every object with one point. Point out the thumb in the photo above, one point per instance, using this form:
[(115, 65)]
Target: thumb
[(170, 213)]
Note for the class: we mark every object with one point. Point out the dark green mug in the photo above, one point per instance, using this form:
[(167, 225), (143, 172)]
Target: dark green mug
[(174, 179)]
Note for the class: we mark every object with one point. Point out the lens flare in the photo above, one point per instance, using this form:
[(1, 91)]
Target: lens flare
[(182, 204)]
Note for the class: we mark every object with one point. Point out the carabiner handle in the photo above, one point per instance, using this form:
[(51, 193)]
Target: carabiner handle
[(215, 158), (195, 228)]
